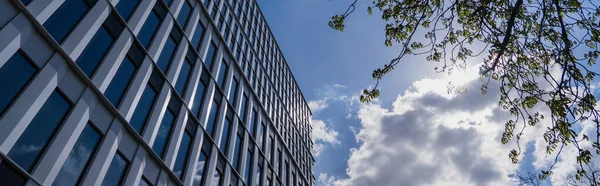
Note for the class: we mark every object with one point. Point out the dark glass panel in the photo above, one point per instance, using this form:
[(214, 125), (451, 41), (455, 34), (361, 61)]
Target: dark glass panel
[(183, 79), (222, 74), (10, 176), (78, 158), (126, 7), (142, 111), (20, 71), (166, 55), (119, 83), (40, 131), (210, 56), (147, 32), (198, 35), (116, 171), (94, 52), (182, 155), (65, 18), (184, 14), (164, 133), (212, 118)]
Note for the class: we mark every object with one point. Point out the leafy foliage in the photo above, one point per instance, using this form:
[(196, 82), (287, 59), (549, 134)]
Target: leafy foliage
[(540, 51)]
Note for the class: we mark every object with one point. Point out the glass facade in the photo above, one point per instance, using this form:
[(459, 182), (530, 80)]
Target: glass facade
[(177, 92)]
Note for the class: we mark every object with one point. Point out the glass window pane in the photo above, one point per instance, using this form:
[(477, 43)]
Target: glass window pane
[(94, 52), (78, 158), (222, 74), (147, 32), (140, 115), (20, 71), (237, 153), (10, 176), (116, 89), (212, 118), (225, 136), (233, 91), (212, 51), (184, 14), (40, 131), (166, 55), (198, 99), (182, 81), (182, 155), (164, 133), (198, 35), (65, 18), (247, 175), (201, 166), (125, 8), (116, 171)]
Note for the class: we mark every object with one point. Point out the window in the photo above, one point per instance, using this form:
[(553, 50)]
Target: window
[(184, 13), (233, 91), (151, 25), (279, 162), (20, 71), (222, 74), (166, 127), (142, 111), (244, 107), (238, 148), (164, 60), (184, 149), (212, 51), (168, 2), (200, 91), (40, 131), (198, 35), (202, 162), (125, 8), (253, 120), (10, 176), (214, 112), (272, 150), (259, 170), (261, 134), (95, 51), (116, 171), (226, 130), (116, 89), (64, 19), (184, 73), (220, 169), (79, 157), (248, 174)]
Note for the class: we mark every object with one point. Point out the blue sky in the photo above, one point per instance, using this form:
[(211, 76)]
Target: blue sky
[(416, 133)]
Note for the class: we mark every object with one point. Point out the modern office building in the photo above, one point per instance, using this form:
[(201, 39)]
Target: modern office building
[(147, 92)]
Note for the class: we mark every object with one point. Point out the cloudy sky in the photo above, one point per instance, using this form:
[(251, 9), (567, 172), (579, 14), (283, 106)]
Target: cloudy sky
[(415, 133)]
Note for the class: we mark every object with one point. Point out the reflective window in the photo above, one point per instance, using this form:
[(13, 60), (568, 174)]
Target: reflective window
[(168, 2), (259, 169), (95, 51), (184, 14), (66, 17), (244, 107), (116, 171), (151, 25), (226, 130), (79, 157), (166, 55), (198, 35), (261, 134), (253, 120), (142, 110), (40, 131), (238, 148), (166, 127), (125, 8), (184, 149), (183, 77), (202, 162), (233, 91), (200, 91), (10, 176), (248, 174), (217, 181), (20, 71), (214, 112), (118, 85), (210, 56)]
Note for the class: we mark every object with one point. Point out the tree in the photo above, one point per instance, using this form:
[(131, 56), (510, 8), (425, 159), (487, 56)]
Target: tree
[(540, 51)]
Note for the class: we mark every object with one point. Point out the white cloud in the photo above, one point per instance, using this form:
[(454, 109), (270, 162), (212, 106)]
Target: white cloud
[(317, 105), (430, 137), (322, 136)]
